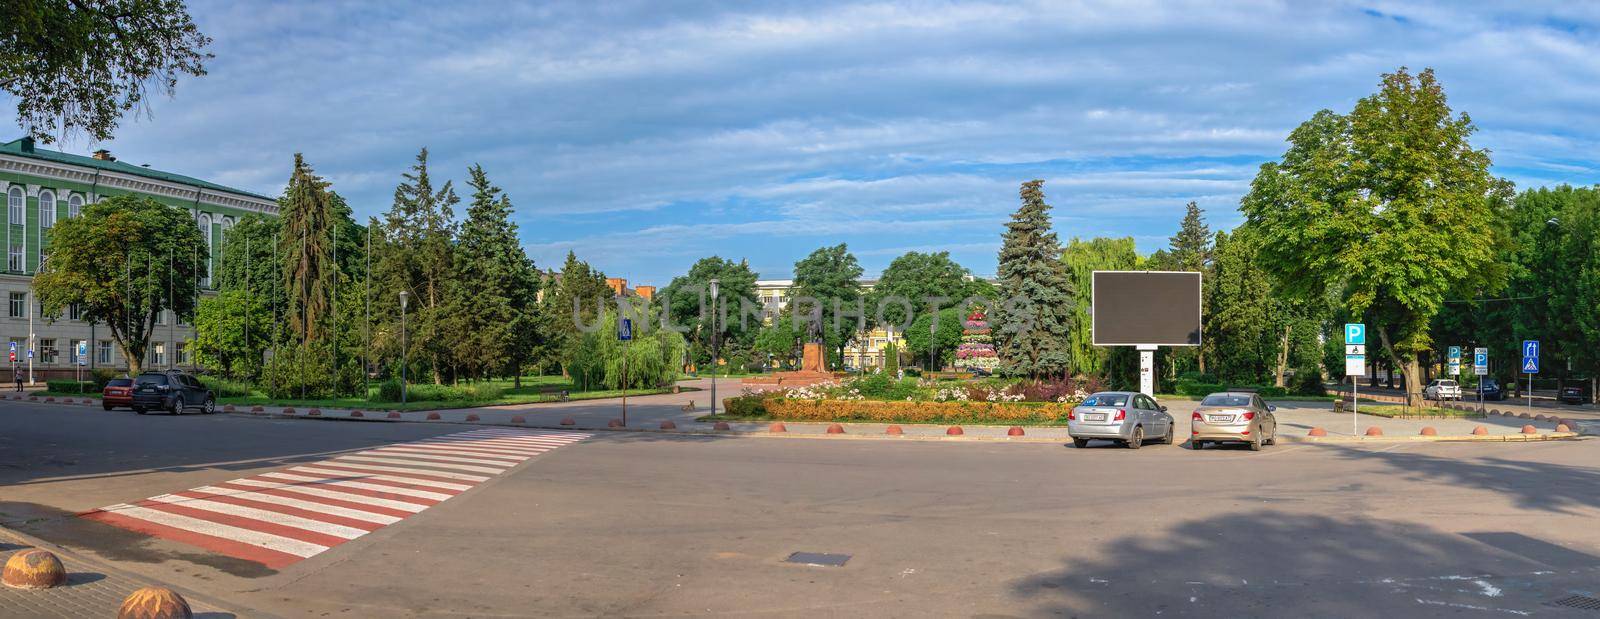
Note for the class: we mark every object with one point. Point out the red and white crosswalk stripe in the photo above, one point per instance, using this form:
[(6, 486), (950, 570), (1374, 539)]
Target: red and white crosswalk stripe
[(284, 516)]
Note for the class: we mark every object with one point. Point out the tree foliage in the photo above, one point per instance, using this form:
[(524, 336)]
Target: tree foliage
[(80, 65), (688, 303), (831, 276), (116, 262), (1081, 259), (492, 312), (1034, 322), (916, 277), (1395, 182)]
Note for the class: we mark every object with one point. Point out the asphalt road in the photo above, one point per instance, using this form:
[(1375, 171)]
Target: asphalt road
[(651, 525)]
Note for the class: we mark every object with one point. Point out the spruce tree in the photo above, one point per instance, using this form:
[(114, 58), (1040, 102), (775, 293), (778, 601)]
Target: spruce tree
[(305, 245), (414, 255), (1191, 246), (495, 285), (1035, 311)]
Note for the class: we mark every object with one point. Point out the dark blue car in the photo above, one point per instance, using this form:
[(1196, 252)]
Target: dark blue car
[(1492, 390)]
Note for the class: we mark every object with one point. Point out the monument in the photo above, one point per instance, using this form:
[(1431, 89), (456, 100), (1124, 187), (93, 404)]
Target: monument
[(811, 372)]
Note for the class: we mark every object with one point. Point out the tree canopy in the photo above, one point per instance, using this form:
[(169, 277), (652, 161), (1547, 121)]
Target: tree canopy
[(831, 276), (1035, 318)]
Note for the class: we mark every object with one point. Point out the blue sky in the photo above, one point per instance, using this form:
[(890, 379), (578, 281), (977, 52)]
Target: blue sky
[(645, 135)]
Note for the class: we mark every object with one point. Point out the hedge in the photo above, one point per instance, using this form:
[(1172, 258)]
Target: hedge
[(786, 409), (70, 386)]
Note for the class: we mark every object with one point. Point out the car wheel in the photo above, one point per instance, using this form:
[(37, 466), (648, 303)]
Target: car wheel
[(1138, 438), (138, 410), (1080, 443), (177, 405), (1171, 435), (209, 407), (106, 406), (1255, 443)]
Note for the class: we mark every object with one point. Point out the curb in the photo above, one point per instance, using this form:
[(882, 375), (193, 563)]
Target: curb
[(1459, 438), (79, 561)]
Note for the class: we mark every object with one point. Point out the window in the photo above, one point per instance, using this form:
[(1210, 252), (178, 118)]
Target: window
[(1225, 399), (14, 259), (205, 231), (104, 352), (75, 312), (47, 350), (47, 208), (74, 206), (14, 200), (183, 353), (19, 305), (161, 317), (158, 353)]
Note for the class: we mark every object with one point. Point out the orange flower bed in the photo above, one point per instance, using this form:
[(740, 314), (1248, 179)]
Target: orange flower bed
[(913, 412)]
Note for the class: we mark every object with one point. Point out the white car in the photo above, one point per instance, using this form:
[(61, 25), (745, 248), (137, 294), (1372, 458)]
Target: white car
[(1442, 389)]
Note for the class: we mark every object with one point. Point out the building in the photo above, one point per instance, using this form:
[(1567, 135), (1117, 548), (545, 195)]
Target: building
[(864, 352), (43, 186)]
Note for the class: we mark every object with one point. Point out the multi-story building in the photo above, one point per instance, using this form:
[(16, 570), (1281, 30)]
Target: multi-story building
[(42, 187)]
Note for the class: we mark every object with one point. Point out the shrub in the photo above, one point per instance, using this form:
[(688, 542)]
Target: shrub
[(884, 386), (1308, 383), (70, 386), (389, 391), (745, 405), (227, 388), (1271, 392), (913, 412)]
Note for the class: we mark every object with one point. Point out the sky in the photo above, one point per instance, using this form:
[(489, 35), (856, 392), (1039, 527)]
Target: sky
[(646, 135)]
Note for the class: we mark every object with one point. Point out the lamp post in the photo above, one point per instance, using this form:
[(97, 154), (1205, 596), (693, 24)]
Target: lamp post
[(403, 298), (714, 346)]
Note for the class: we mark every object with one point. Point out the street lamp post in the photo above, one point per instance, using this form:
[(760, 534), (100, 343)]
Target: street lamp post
[(403, 297), (714, 346)]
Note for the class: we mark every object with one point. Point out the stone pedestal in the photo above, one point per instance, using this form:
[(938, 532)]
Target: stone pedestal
[(812, 371)]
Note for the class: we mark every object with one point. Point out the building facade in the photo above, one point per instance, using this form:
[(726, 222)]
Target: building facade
[(41, 187)]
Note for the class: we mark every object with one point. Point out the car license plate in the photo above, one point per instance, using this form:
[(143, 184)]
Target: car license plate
[(1219, 418), (1094, 417)]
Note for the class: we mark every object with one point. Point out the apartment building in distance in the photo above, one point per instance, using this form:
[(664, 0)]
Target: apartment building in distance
[(41, 187)]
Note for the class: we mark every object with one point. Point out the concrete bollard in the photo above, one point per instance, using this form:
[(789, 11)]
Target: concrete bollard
[(1015, 431), (668, 425), (154, 603), (472, 417), (432, 417), (257, 409), (393, 415), (777, 426), (227, 408), (33, 569), (1561, 427), (955, 431), (1529, 430), (287, 410), (519, 419), (721, 426), (1374, 431), (315, 412), (615, 423), (835, 429), (357, 414), (568, 421), (1317, 432), (1480, 431), (891, 431), (1429, 431)]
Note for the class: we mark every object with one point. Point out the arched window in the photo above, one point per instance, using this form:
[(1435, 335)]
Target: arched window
[(14, 200), (205, 231), (74, 205), (47, 208)]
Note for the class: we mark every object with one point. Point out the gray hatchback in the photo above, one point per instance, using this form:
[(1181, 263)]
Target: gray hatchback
[(1126, 417)]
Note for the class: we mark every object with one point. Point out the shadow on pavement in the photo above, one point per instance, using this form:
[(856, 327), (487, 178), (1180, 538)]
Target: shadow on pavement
[(1557, 488), (1268, 563), (65, 528)]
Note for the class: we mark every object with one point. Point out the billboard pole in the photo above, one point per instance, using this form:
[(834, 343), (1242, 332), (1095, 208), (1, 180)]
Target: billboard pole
[(1147, 369)]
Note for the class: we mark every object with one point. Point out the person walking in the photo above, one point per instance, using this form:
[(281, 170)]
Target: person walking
[(16, 374)]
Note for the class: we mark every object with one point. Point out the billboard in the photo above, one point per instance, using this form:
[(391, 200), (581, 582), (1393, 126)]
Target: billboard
[(1153, 308)]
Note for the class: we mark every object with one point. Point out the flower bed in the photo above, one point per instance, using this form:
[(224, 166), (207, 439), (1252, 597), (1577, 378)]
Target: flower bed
[(757, 406)]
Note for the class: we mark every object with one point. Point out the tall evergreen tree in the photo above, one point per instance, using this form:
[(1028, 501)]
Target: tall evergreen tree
[(415, 257), (306, 247), (495, 286), (1191, 246), (1035, 314), (574, 300)]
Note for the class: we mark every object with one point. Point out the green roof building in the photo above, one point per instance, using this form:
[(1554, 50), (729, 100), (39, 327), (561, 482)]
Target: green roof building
[(41, 187)]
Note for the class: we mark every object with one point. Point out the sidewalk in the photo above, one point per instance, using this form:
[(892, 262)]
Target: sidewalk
[(92, 590)]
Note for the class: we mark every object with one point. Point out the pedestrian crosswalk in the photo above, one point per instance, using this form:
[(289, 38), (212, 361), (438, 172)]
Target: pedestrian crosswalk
[(285, 516)]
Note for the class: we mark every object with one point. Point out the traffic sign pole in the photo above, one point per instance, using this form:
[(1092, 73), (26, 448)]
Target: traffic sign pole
[(1355, 366), (1530, 366)]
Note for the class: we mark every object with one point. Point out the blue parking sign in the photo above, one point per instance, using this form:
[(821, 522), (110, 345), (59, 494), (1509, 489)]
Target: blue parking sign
[(1355, 333)]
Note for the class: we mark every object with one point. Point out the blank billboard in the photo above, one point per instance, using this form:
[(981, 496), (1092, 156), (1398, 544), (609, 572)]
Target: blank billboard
[(1160, 308)]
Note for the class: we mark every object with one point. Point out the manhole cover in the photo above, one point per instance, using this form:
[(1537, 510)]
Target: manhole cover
[(819, 559), (1582, 602)]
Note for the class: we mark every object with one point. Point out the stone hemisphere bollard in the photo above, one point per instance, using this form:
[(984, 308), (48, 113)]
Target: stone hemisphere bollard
[(892, 431), (519, 419), (257, 409), (1561, 427), (1429, 431), (1480, 431), (357, 414), (777, 426), (432, 417), (614, 423), (393, 415), (1015, 431), (1317, 432), (288, 410), (1524, 416), (835, 429), (669, 425), (721, 426), (227, 408), (33, 569), (314, 412), (1374, 431), (472, 417), (955, 431), (1529, 430), (568, 421), (154, 603)]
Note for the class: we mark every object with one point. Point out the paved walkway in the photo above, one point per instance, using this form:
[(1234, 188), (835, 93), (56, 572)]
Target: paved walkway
[(91, 590)]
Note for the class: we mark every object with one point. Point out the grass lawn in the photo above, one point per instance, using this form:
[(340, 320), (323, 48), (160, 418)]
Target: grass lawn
[(948, 421), (1401, 412), (1286, 398)]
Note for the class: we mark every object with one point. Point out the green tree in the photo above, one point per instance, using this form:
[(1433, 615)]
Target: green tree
[(306, 247), (574, 299), (115, 263), (231, 331), (495, 285), (688, 302), (832, 278), (915, 277), (1082, 258), (413, 254), (75, 65), (1034, 319), (781, 340), (1191, 246), (1390, 206), (925, 337)]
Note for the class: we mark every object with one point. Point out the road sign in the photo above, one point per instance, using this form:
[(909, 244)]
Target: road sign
[(1480, 361), (83, 353), (1355, 349), (1355, 333), (1454, 360), (30, 353), (625, 329), (1530, 356), (1355, 365)]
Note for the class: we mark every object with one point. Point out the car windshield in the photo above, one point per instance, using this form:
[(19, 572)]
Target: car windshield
[(151, 379), (1224, 399), (119, 382), (1106, 399), (1447, 383)]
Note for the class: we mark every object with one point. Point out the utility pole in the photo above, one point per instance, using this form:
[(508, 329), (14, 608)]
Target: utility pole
[(714, 346), (403, 363)]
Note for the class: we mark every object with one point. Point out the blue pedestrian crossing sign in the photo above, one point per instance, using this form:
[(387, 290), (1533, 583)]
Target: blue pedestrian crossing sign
[(1355, 333), (625, 329), (1530, 356)]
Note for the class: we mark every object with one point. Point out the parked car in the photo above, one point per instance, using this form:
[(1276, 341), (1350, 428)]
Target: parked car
[(117, 392), (1573, 394), (172, 391), (1233, 417), (1123, 416), (1492, 389), (1442, 389)]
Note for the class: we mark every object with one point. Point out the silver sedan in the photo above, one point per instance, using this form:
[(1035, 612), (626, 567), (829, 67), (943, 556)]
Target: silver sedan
[(1126, 417)]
